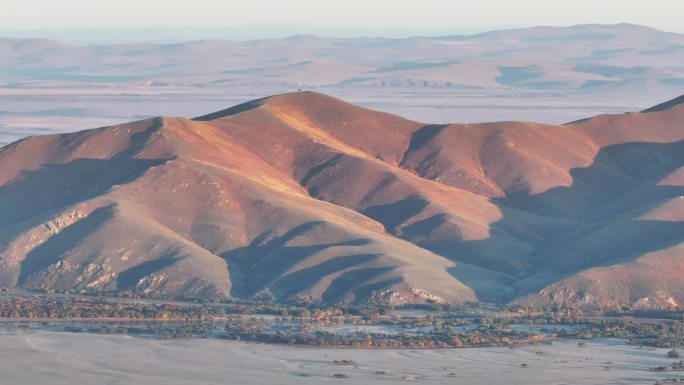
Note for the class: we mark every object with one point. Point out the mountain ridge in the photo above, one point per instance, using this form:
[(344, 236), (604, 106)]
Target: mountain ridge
[(304, 197)]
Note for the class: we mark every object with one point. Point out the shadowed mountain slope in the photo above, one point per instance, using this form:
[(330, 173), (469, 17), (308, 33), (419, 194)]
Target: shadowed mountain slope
[(667, 105), (305, 197)]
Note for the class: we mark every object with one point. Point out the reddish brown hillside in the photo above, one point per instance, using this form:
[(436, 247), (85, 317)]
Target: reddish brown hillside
[(302, 196)]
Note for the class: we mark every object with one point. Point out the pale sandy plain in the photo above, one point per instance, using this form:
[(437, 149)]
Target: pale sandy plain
[(65, 358)]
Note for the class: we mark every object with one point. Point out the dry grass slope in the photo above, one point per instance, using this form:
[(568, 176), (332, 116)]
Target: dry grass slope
[(305, 197)]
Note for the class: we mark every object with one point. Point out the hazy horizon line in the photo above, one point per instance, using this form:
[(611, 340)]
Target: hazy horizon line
[(263, 31)]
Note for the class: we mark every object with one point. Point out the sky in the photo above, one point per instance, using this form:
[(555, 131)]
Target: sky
[(343, 17)]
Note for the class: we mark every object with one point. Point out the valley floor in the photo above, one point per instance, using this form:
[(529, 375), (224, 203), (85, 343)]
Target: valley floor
[(42, 357)]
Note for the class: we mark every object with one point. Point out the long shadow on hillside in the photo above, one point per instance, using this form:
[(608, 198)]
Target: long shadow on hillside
[(129, 278), (53, 186), (606, 199), (232, 110), (35, 266), (295, 282), (266, 261), (622, 178), (50, 252)]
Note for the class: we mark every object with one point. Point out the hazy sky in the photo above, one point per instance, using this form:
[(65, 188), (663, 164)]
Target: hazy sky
[(394, 15)]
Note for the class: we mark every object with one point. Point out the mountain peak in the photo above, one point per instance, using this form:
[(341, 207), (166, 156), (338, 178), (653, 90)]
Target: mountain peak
[(300, 98), (667, 105)]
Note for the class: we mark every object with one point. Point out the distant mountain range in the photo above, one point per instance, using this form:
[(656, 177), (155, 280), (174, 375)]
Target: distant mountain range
[(177, 34), (584, 58), (305, 197)]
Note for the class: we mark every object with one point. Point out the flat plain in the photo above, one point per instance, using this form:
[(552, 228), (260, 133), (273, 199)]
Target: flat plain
[(69, 358)]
